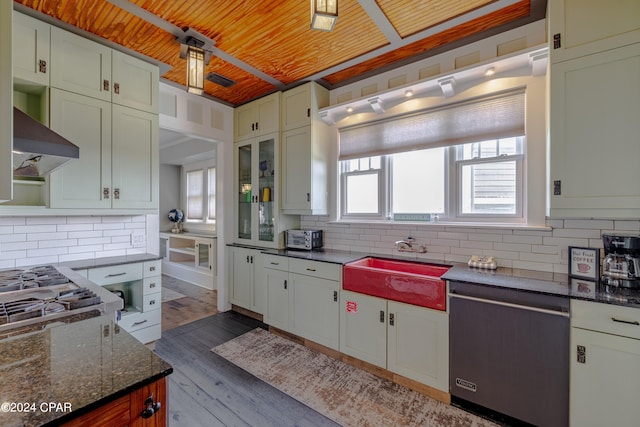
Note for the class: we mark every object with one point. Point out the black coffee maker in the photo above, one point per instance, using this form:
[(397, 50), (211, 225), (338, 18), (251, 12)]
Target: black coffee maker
[(621, 264)]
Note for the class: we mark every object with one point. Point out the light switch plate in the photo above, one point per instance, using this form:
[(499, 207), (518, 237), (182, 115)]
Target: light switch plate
[(138, 238)]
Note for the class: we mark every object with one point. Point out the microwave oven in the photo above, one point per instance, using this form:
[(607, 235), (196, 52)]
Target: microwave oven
[(303, 239)]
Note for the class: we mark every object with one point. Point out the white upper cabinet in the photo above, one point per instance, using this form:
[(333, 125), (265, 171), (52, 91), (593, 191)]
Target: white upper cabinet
[(80, 65), (31, 55), (6, 103), (307, 147), (87, 68), (135, 83), (257, 118), (582, 27), (118, 165)]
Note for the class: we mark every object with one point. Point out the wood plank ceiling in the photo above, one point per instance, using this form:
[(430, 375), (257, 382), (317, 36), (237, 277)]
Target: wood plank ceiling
[(267, 46)]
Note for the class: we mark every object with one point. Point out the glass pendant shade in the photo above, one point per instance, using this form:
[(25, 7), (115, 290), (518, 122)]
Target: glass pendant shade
[(195, 70), (324, 14)]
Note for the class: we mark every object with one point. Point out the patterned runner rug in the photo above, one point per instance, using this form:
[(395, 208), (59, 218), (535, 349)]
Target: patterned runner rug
[(341, 392)]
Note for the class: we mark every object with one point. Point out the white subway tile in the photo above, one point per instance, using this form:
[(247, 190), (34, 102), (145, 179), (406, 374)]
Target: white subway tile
[(513, 247), (486, 237), (588, 223), (542, 249), (42, 220), (57, 243), (633, 226), (7, 255), (543, 258), (94, 241), (37, 253), (577, 232), (75, 227), (18, 246), (31, 229), (84, 234), (12, 220), (528, 265), (533, 240), (24, 262), (6, 229), (47, 236), (87, 248), (9, 263), (76, 257), (17, 237), (109, 226), (83, 220)]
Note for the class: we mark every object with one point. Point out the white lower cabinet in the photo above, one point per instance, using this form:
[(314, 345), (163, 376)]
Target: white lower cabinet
[(302, 298), (605, 356), (141, 284), (409, 340), (246, 284)]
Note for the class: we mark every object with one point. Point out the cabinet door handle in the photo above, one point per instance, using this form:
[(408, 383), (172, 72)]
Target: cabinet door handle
[(285, 284), (274, 263), (628, 322), (42, 66), (105, 192), (308, 197), (308, 112), (115, 274), (311, 269), (392, 319), (105, 85), (152, 302), (152, 268), (152, 285), (335, 296), (256, 125), (251, 258), (247, 259), (139, 323), (116, 88), (381, 316), (557, 41), (116, 193)]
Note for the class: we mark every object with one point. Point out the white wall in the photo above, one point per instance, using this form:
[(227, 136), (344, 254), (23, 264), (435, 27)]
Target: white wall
[(169, 194)]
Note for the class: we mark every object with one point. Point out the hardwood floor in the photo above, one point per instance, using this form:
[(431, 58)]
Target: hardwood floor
[(198, 303), (207, 390)]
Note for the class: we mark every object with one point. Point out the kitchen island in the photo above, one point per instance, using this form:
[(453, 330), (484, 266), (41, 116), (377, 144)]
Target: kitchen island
[(80, 373)]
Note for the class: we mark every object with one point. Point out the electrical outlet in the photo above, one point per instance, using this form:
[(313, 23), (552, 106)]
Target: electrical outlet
[(138, 238)]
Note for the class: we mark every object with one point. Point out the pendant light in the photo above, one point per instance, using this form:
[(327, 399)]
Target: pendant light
[(195, 70), (324, 14)]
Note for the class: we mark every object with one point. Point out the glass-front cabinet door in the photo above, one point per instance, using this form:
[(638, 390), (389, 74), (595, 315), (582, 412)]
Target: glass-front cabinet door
[(266, 178), (257, 191), (244, 160)]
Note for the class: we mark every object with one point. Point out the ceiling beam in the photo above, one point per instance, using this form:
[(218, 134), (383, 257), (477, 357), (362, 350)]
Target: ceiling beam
[(381, 20), (179, 33)]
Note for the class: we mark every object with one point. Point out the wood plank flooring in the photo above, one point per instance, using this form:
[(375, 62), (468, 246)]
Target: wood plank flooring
[(207, 390), (198, 303)]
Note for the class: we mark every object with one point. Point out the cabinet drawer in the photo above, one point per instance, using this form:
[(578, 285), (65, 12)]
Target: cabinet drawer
[(607, 318), (151, 285), (323, 270), (116, 274), (276, 262), (147, 335), (135, 321), (152, 268), (151, 302)]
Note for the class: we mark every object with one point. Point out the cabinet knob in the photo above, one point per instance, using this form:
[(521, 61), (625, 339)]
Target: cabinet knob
[(42, 66), (116, 88), (392, 319), (151, 407), (335, 296), (152, 302), (116, 193), (105, 192), (105, 85), (285, 284), (152, 268), (152, 285), (381, 316)]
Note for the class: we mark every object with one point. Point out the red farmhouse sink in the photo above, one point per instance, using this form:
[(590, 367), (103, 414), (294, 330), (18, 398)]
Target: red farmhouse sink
[(404, 281)]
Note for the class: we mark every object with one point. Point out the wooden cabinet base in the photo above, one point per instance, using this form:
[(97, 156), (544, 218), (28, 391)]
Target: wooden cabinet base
[(127, 410)]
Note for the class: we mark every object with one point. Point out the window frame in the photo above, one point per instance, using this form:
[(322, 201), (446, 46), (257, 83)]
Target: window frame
[(452, 192), (205, 168)]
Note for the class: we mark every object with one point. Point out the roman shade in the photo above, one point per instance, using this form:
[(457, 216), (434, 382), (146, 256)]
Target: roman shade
[(500, 115)]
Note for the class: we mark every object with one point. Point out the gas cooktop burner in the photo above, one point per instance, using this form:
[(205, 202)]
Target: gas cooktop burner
[(36, 277), (31, 307)]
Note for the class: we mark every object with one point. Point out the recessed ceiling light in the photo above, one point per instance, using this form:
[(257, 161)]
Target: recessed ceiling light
[(408, 93), (490, 71), (349, 109)]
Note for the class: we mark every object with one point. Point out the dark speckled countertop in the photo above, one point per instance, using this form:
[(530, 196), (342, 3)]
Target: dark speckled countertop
[(524, 280), (80, 365)]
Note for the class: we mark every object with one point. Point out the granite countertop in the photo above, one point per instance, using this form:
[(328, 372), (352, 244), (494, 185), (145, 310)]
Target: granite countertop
[(79, 366), (518, 279), (109, 261)]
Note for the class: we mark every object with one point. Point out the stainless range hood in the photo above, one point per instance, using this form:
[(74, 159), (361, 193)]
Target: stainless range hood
[(37, 150)]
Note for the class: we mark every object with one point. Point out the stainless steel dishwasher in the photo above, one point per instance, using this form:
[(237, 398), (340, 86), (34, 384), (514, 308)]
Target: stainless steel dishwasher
[(509, 353)]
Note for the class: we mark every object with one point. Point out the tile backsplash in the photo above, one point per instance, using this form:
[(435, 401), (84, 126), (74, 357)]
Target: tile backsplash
[(542, 249), (36, 240)]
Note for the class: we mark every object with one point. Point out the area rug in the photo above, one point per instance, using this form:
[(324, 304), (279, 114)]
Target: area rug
[(170, 295), (346, 394)]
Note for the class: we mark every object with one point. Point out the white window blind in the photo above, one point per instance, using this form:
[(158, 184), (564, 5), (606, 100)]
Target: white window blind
[(211, 185), (194, 194), (490, 117)]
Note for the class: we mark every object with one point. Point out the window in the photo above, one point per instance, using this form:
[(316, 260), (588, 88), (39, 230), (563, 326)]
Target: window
[(199, 193), (474, 181), (463, 162)]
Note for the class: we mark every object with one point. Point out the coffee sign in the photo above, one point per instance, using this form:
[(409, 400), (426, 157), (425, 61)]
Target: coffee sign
[(584, 263)]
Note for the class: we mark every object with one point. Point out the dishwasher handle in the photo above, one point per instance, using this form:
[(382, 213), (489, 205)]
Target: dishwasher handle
[(509, 304)]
